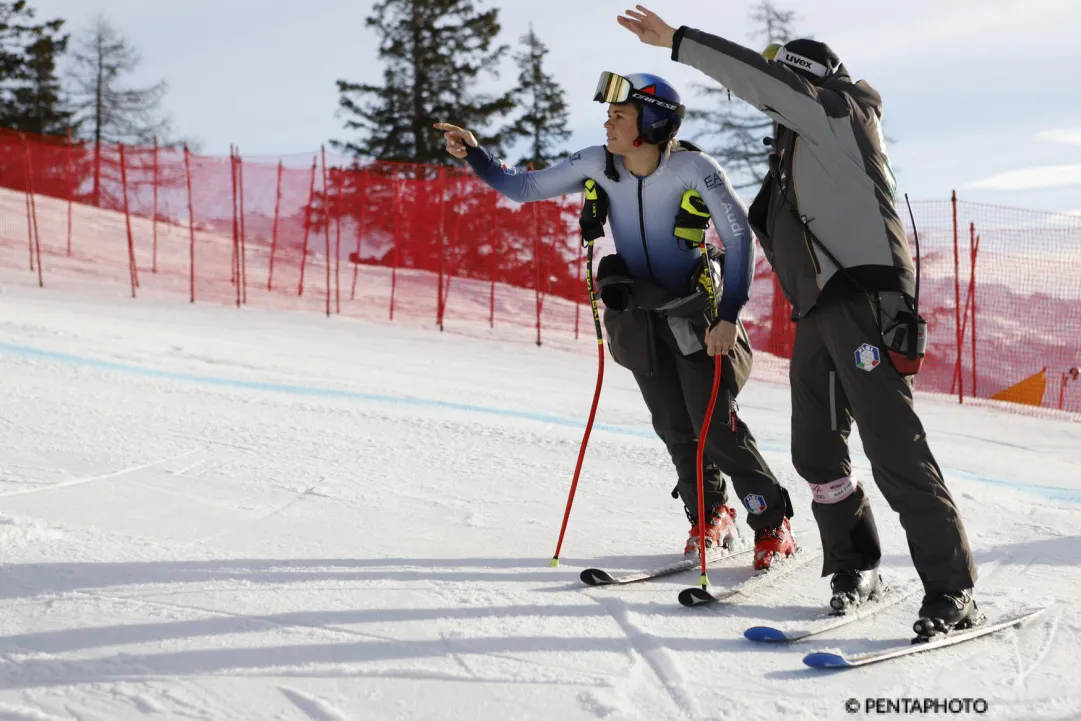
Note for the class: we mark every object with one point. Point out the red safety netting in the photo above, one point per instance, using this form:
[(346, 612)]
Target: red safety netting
[(1000, 288)]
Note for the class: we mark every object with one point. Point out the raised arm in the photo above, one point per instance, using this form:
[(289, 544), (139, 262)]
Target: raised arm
[(519, 184), (772, 88)]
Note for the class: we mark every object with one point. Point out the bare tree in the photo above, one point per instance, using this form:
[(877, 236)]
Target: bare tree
[(109, 109)]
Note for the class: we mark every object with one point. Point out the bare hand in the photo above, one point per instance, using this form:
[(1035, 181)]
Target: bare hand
[(721, 338), (649, 27), (457, 138)]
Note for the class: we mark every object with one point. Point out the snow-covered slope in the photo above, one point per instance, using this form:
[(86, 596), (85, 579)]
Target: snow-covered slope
[(212, 513)]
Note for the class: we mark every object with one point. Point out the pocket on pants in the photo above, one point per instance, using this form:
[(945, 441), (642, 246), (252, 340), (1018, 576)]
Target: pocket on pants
[(630, 340)]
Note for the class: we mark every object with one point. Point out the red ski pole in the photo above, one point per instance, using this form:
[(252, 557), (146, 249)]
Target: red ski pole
[(692, 204), (591, 194), (704, 580)]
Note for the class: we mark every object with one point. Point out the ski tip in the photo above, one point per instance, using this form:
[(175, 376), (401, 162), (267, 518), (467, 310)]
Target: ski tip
[(764, 633), (825, 659), (1029, 614), (596, 577), (692, 597)]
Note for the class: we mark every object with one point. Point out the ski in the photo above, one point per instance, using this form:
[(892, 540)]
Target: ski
[(600, 577), (697, 596), (839, 659), (828, 622)]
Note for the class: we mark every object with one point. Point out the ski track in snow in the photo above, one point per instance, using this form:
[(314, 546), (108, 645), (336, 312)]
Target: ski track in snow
[(90, 479), (8, 712), (316, 709), (666, 669)]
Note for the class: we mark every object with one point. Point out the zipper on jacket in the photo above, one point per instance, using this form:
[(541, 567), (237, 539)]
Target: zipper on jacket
[(833, 400), (642, 226), (792, 179)]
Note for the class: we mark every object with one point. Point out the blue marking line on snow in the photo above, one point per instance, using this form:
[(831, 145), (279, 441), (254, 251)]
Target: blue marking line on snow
[(1050, 492), (310, 391)]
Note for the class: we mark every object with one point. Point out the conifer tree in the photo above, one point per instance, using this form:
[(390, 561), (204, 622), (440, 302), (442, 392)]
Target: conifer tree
[(543, 122), (434, 54), (31, 96)]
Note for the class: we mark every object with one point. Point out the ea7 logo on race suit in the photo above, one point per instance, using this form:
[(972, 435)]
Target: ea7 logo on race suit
[(867, 357), (713, 181), (576, 156)]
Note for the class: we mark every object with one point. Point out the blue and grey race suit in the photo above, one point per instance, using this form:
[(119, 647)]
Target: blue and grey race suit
[(642, 213), (642, 218)]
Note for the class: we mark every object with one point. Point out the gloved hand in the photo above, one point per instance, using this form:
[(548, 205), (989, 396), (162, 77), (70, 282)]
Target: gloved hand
[(692, 220), (594, 212), (614, 283)]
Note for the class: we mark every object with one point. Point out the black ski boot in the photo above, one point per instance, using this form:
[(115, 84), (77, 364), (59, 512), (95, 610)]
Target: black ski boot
[(944, 612), (852, 588)]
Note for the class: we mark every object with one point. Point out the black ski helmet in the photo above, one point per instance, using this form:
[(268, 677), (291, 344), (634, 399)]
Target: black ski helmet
[(812, 59)]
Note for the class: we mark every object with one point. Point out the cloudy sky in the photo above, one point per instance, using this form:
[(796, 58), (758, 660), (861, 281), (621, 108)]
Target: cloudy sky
[(981, 96)]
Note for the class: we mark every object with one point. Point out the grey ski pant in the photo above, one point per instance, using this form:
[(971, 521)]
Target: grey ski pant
[(839, 373), (677, 394)]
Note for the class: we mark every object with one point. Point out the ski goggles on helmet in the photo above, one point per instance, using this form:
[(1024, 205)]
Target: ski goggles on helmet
[(778, 53), (612, 88)]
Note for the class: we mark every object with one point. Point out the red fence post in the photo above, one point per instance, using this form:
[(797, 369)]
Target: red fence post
[(440, 182), (97, 174), (362, 181), (457, 238), (71, 188), (307, 227), (274, 232), (29, 219), (394, 270), (154, 263), (243, 262), (326, 220), (32, 218), (338, 204), (537, 268), (191, 219), (957, 302), (965, 314), (236, 226), (495, 236), (127, 218), (974, 244)]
